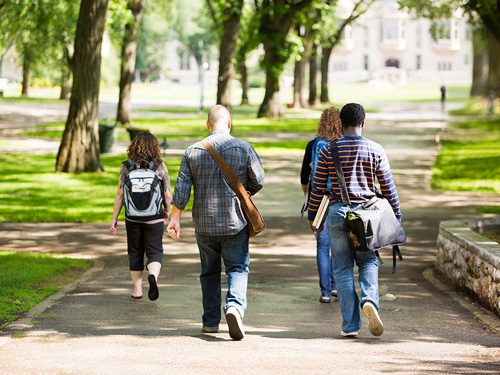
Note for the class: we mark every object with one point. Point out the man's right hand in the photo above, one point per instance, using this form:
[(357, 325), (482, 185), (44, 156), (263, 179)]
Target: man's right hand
[(174, 229)]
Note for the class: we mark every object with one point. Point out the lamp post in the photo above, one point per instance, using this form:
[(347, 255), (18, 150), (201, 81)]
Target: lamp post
[(204, 66)]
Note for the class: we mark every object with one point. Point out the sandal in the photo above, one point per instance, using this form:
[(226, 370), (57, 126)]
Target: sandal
[(153, 292)]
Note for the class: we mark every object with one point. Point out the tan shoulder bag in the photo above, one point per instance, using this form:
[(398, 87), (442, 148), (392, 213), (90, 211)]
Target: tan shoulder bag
[(256, 223)]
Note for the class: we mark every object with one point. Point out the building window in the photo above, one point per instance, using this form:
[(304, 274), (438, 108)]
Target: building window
[(365, 62), (391, 30), (340, 66), (468, 32), (346, 35), (418, 36), (443, 30), (418, 62), (184, 60), (444, 65), (466, 59)]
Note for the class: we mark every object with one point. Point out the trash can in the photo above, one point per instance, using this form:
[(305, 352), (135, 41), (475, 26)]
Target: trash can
[(106, 136), (132, 132)]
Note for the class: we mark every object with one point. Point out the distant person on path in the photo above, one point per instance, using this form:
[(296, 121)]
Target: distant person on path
[(443, 97), (491, 103), (329, 128), (362, 161), (144, 189), (220, 227)]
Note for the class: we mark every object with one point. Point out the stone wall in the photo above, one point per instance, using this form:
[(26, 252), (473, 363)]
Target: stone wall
[(471, 261)]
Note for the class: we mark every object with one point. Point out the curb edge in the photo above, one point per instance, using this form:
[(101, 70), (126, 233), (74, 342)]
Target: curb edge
[(27, 321), (486, 317)]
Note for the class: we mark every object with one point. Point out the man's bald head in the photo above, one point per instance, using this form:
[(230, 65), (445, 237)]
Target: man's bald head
[(219, 118)]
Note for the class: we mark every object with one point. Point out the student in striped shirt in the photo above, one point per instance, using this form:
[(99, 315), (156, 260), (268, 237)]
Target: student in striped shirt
[(363, 163)]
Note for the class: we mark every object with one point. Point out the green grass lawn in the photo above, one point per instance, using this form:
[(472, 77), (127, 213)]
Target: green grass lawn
[(27, 279), (470, 159), (366, 93), (281, 146), (494, 236), (193, 128), (475, 107), (30, 190)]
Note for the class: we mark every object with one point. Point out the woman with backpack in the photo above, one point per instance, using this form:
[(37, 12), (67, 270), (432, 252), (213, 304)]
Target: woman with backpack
[(144, 190), (329, 128)]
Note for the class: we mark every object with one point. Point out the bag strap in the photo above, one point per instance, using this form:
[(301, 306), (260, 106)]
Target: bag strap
[(340, 175), (231, 178), (128, 164), (395, 251)]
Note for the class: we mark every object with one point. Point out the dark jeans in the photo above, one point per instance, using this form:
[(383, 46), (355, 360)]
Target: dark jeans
[(235, 254), (144, 239)]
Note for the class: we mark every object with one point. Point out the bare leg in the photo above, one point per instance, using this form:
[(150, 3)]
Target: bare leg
[(136, 277)]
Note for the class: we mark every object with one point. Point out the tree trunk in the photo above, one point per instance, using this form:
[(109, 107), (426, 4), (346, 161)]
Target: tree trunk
[(274, 28), (231, 29), (273, 62), (479, 85), (65, 87), (300, 74), (298, 85), (127, 69), (26, 76), (271, 106), (313, 76), (244, 83), (494, 65), (326, 52), (79, 149), (66, 65), (2, 57)]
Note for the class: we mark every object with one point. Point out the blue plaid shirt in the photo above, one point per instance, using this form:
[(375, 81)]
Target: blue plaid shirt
[(216, 208)]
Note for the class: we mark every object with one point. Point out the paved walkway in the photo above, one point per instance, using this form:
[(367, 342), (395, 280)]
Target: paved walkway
[(99, 329)]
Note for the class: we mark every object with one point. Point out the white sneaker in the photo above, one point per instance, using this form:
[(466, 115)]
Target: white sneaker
[(235, 323), (348, 334), (375, 325)]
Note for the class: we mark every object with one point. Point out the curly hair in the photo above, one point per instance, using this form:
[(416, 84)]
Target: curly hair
[(329, 126), (144, 146)]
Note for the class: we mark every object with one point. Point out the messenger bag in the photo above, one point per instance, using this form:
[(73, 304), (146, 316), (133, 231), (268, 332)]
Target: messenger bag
[(255, 221)]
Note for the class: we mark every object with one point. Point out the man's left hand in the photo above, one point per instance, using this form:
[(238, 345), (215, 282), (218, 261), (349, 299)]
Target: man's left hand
[(313, 228)]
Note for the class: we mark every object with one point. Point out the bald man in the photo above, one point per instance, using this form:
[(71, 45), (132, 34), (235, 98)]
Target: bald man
[(220, 227)]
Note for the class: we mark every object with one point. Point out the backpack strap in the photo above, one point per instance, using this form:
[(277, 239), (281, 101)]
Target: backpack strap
[(128, 165), (340, 175), (395, 251), (154, 165)]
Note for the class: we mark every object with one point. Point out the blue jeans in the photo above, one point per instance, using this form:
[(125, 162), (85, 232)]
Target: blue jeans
[(344, 259), (325, 261), (235, 254)]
